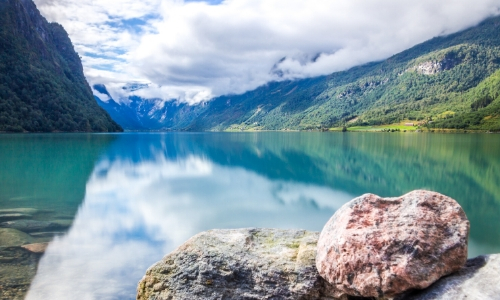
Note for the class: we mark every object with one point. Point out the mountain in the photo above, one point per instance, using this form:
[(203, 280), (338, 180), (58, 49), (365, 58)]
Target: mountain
[(42, 85), (136, 113), (447, 82)]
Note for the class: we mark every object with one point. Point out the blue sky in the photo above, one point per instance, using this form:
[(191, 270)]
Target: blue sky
[(194, 50)]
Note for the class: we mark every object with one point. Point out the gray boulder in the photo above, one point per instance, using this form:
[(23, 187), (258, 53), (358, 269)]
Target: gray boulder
[(280, 264), (239, 264), (479, 279)]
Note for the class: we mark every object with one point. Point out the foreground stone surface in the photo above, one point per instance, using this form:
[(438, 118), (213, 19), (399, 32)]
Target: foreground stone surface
[(479, 279), (239, 264), (381, 247)]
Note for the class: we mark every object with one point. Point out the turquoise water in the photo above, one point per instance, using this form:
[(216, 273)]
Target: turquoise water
[(131, 198)]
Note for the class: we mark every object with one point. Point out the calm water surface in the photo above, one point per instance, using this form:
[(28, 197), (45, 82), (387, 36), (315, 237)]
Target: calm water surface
[(134, 197)]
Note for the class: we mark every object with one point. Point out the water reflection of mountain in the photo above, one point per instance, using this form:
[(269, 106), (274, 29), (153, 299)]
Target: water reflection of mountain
[(461, 166), (48, 171), (151, 192), (43, 177)]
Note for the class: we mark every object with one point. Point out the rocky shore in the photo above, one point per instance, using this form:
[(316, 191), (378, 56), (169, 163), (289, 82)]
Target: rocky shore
[(23, 240), (409, 247)]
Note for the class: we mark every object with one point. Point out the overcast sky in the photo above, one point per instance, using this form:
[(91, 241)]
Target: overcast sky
[(194, 50)]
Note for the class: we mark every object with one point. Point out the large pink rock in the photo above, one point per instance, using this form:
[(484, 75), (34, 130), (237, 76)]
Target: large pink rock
[(380, 247)]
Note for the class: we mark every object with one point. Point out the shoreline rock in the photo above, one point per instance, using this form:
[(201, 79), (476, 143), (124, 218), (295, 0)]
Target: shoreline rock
[(412, 247), (382, 247), (239, 264), (205, 267), (478, 279)]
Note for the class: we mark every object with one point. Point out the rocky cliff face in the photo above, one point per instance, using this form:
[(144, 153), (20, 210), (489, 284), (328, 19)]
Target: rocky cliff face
[(42, 85)]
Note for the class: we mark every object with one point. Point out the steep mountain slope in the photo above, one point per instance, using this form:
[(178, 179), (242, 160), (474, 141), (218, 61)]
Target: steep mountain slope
[(484, 110), (42, 86), (430, 81), (446, 82)]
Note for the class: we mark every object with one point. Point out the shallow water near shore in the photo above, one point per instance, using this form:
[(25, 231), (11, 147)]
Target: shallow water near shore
[(122, 201)]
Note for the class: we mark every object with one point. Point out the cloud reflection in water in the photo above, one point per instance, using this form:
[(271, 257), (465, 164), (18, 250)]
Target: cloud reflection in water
[(136, 212)]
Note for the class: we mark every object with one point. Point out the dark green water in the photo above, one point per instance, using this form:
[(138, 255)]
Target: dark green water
[(132, 198)]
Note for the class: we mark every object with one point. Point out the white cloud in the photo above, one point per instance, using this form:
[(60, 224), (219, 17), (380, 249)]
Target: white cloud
[(101, 96), (192, 51)]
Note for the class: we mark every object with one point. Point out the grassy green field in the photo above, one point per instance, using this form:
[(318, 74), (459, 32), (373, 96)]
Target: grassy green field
[(404, 128), (401, 127)]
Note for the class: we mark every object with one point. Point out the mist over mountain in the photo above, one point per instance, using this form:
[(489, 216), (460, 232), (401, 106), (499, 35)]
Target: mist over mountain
[(195, 50), (136, 113), (447, 82)]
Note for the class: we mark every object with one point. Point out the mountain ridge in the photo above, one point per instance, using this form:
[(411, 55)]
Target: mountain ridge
[(432, 83), (42, 85)]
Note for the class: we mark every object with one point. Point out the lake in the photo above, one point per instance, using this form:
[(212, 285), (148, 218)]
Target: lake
[(123, 201)]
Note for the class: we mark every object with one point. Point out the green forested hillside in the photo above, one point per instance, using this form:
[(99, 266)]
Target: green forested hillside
[(484, 111), (446, 82), (42, 86)]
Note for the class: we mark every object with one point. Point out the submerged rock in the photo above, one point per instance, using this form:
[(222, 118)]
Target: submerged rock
[(13, 237), (14, 216), (479, 279), (33, 225), (63, 223), (36, 248), (239, 264), (17, 269), (50, 234), (26, 211), (381, 247)]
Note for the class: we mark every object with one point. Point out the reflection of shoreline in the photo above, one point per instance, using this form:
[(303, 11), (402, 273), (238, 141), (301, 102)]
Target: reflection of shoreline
[(151, 192), (461, 166), (135, 212)]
